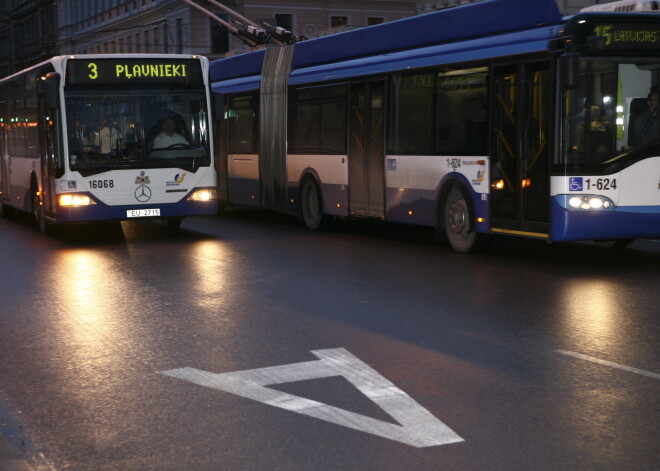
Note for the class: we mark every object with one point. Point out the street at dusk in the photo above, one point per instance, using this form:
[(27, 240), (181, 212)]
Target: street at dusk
[(527, 356)]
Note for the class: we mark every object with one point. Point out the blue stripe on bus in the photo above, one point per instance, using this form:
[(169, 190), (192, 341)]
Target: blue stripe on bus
[(477, 49), (451, 25), (623, 223)]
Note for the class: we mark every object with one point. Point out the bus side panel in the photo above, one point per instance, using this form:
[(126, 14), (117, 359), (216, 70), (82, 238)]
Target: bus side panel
[(413, 184), (243, 179), (331, 171), (20, 172)]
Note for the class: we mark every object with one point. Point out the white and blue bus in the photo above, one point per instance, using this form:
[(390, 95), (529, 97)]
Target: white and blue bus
[(79, 139), (496, 117)]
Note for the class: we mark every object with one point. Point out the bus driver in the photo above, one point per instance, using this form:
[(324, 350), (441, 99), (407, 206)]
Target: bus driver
[(168, 137)]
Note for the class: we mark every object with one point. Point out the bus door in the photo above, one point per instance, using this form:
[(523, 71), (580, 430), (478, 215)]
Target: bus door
[(366, 156), (48, 155), (522, 118), (4, 165)]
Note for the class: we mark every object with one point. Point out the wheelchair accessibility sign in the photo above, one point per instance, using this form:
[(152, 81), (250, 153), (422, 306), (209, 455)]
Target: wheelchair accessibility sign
[(575, 184)]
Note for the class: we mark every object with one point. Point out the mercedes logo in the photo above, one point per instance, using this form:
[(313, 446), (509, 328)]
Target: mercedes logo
[(143, 193)]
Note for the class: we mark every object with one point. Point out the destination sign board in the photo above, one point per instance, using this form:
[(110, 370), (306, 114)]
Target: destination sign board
[(628, 36), (122, 71)]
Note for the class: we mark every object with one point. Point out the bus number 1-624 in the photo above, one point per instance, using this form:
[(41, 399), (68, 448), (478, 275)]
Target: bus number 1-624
[(600, 184)]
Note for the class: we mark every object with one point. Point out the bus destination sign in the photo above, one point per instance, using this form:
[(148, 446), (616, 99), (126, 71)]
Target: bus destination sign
[(151, 71), (620, 36)]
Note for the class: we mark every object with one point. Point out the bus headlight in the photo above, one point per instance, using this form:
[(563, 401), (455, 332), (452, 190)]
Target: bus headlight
[(203, 194), (74, 199), (590, 202)]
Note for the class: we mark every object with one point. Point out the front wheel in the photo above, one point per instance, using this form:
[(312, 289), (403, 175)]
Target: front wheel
[(615, 244), (172, 223), (5, 211), (457, 217), (38, 211)]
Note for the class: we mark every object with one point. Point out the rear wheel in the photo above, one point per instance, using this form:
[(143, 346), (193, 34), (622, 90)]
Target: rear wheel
[(311, 204), (457, 218)]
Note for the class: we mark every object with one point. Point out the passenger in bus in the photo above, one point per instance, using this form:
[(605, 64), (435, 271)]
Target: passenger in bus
[(75, 138), (646, 124), (89, 139), (169, 137), (108, 137), (135, 140)]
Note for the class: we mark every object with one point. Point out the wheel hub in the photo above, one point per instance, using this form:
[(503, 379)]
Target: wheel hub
[(456, 218)]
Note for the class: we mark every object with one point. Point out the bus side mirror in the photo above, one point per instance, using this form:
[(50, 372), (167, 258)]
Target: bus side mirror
[(569, 78), (50, 87)]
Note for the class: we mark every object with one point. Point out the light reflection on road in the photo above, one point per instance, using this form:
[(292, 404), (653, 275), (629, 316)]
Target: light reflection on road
[(593, 313), (211, 265)]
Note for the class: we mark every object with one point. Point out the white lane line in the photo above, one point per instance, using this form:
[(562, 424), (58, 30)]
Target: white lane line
[(611, 364)]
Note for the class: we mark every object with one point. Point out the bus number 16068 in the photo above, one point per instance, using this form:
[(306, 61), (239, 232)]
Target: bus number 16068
[(101, 184)]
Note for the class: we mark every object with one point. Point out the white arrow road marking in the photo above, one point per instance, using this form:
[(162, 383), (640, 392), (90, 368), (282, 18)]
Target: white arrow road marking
[(418, 428)]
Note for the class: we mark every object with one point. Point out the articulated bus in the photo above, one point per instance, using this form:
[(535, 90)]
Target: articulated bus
[(79, 139), (496, 117)]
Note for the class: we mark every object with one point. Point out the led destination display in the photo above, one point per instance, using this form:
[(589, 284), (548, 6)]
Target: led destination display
[(628, 36), (133, 71)]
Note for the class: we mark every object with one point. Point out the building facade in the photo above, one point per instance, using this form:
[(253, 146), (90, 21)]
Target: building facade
[(28, 33), (174, 26), (33, 30)]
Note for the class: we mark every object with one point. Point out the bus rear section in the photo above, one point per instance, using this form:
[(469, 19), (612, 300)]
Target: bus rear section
[(127, 137)]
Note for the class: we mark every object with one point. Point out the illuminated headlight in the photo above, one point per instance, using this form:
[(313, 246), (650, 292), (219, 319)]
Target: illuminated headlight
[(75, 200), (590, 202), (205, 194)]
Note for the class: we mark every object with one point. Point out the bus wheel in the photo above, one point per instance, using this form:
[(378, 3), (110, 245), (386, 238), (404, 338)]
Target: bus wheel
[(615, 244), (5, 211), (38, 210), (311, 204), (457, 223), (172, 223)]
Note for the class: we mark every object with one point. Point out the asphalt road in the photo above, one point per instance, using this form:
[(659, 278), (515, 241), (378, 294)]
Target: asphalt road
[(245, 342)]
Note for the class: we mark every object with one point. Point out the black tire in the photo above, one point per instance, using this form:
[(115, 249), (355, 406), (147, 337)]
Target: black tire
[(457, 220), (172, 224), (615, 244), (311, 205), (5, 211), (38, 210)]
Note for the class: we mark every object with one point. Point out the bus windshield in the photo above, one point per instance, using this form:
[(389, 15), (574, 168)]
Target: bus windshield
[(610, 120), (136, 129)]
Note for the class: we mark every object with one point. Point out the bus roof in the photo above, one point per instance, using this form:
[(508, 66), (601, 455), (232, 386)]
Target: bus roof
[(474, 20)]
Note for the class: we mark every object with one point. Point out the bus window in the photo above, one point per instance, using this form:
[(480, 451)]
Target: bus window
[(118, 129), (242, 126), (318, 120), (609, 115), (462, 113), (412, 117)]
